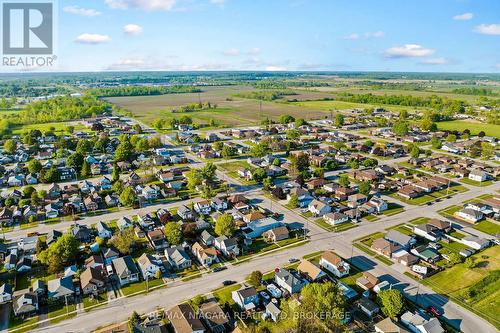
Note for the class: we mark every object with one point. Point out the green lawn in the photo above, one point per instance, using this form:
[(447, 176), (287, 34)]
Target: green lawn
[(59, 127), (474, 127), (17, 323), (463, 290), (419, 220), (371, 218), (140, 286), (449, 211), (475, 183), (393, 209), (223, 295), (89, 302), (337, 228), (56, 310), (488, 227)]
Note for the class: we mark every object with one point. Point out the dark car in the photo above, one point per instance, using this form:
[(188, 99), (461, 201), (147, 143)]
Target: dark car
[(184, 197), (218, 269), (228, 282)]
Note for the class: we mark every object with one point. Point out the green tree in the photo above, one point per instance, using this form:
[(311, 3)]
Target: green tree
[(70, 129), (207, 192), (400, 128), (194, 178), (115, 175), (435, 142), (392, 302), (85, 171), (255, 278), (228, 152), (415, 152), (173, 232), (339, 120), (260, 149), (451, 138), (455, 258), (293, 201), (34, 166), (258, 175), (292, 134), (10, 146), (75, 160), (470, 262), (208, 171), (128, 197), (344, 180), (369, 162), (64, 251), (267, 183), (123, 240), (84, 146), (125, 150), (218, 145), (487, 150), (364, 188), (300, 122), (225, 225), (286, 119), (50, 175)]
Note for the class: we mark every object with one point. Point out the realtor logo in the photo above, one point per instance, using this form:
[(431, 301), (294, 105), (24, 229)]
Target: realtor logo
[(27, 28)]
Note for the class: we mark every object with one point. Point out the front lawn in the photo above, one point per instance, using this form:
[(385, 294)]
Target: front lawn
[(488, 227), (60, 309), (140, 286), (393, 209), (223, 294), (17, 323), (475, 183), (92, 302), (449, 211)]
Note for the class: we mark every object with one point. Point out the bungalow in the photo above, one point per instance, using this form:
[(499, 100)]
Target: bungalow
[(433, 230), (367, 306), (469, 215), (246, 298), (335, 218), (303, 196), (228, 246), (148, 265), (103, 230), (419, 323), (478, 175), (310, 271), (92, 281), (256, 228), (355, 200), (476, 243), (334, 264), (399, 238), (318, 208), (183, 319), (61, 288), (124, 223), (178, 257), (51, 211), (425, 253), (276, 234), (126, 270), (215, 319), (81, 233), (289, 281), (384, 247), (380, 205)]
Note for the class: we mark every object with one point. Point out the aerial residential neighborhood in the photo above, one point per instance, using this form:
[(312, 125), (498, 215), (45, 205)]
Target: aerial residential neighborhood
[(329, 167)]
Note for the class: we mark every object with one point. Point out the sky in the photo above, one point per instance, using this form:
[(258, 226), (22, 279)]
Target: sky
[(275, 35)]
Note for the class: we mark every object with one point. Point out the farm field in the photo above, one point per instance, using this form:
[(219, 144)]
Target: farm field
[(230, 111), (474, 127), (339, 105), (59, 127)]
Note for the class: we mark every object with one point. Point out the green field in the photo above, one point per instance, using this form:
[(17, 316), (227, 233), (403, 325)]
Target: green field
[(59, 127), (465, 279), (488, 227), (341, 105), (474, 127)]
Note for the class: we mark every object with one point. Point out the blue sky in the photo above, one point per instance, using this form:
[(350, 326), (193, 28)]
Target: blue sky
[(374, 35)]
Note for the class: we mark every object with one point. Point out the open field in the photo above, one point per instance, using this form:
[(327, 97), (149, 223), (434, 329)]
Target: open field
[(339, 105), (230, 111), (59, 127), (486, 301), (474, 127)]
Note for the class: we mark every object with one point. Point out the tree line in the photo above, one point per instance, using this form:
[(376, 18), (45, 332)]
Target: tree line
[(141, 90), (266, 95)]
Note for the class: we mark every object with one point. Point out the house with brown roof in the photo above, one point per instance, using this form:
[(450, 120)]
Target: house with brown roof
[(310, 271), (214, 318), (157, 239), (183, 319), (276, 234), (206, 256), (384, 247), (92, 280), (367, 281), (334, 264)]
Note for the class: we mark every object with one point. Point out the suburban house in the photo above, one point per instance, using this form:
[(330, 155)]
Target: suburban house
[(367, 281), (246, 298), (388, 325), (334, 264), (433, 230), (148, 265), (310, 271), (215, 319), (5, 293), (124, 223), (25, 304), (400, 239), (126, 270), (256, 228), (61, 288), (421, 324), (228, 246), (276, 234), (103, 230), (92, 281), (203, 207), (289, 281), (185, 213), (206, 238), (369, 307), (206, 256), (478, 175), (318, 208), (335, 218), (157, 239), (177, 257), (469, 215), (183, 319), (384, 247), (476, 243)]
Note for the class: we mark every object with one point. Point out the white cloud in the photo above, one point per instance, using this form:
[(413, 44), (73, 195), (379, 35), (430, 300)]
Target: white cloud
[(128, 64), (254, 51), (352, 37), (463, 17), (488, 29), (132, 29), (408, 51), (436, 61), (87, 38), (142, 4), (77, 10), (275, 68), (376, 34), (218, 2), (232, 52), (497, 66)]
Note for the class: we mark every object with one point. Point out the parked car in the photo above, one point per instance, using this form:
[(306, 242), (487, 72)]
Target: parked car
[(274, 290), (218, 269), (435, 246), (265, 296), (228, 282), (293, 260)]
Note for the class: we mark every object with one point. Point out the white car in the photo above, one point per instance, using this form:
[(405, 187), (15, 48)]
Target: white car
[(274, 291)]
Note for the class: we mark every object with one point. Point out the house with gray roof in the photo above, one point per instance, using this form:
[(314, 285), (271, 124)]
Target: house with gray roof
[(399, 238), (126, 270), (61, 288), (25, 304), (177, 257), (289, 281)]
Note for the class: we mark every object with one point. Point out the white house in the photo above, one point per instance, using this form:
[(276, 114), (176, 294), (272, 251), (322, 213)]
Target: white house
[(228, 246), (474, 242), (318, 208), (334, 264), (148, 266), (335, 218), (469, 215), (103, 230), (5, 293), (418, 324), (478, 175), (203, 207)]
